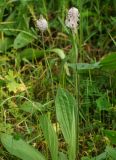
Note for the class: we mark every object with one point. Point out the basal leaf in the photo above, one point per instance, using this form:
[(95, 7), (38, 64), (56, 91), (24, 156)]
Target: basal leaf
[(66, 111), (111, 152), (20, 148), (65, 104), (23, 39), (50, 136), (102, 156), (30, 53)]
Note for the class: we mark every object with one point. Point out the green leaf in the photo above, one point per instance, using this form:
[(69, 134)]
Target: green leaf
[(23, 39), (31, 107), (84, 66), (30, 53), (65, 103), (24, 2), (59, 52), (66, 111), (103, 103), (5, 44), (2, 8), (85, 158), (20, 148), (12, 86), (111, 135), (50, 136), (11, 83), (62, 156), (109, 61), (102, 156), (72, 143), (111, 152), (10, 25)]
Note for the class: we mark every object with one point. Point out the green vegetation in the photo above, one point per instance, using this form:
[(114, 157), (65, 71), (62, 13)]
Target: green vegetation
[(58, 86)]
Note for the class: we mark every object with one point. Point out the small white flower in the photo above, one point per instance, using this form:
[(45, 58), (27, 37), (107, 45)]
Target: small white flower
[(42, 24), (72, 18), (73, 13), (71, 23)]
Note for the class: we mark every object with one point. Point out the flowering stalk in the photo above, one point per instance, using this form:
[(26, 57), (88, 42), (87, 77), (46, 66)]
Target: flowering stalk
[(42, 25), (72, 20)]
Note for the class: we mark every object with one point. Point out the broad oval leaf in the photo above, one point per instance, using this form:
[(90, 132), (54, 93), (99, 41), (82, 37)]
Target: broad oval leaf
[(65, 104), (111, 152), (30, 53), (67, 112), (23, 39), (20, 148)]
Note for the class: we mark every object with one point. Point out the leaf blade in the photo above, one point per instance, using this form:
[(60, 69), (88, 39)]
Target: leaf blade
[(20, 148)]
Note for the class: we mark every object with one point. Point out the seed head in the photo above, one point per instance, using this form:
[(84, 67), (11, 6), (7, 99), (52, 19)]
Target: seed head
[(72, 18), (42, 24)]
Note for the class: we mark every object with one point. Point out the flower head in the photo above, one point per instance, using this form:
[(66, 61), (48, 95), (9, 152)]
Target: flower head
[(72, 18), (42, 24)]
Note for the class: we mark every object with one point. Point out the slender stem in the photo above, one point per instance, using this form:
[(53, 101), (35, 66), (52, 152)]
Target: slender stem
[(76, 81), (47, 63)]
